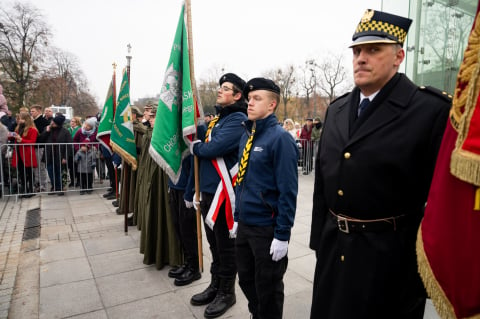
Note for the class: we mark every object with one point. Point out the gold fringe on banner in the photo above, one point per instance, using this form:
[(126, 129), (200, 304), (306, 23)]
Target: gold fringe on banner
[(466, 165), (435, 292), (124, 155)]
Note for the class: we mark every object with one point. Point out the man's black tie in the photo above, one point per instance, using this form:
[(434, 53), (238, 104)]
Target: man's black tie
[(363, 105)]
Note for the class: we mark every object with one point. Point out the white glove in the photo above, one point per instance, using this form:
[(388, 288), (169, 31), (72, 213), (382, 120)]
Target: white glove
[(196, 204), (188, 204), (233, 231), (192, 144), (278, 249)]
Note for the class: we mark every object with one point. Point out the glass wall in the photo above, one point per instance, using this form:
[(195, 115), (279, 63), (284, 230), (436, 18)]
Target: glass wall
[(436, 40)]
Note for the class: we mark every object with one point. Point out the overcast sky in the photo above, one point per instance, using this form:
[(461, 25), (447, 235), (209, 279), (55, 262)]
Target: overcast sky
[(246, 37)]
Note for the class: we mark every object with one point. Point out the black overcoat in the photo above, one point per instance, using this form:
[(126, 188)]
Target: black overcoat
[(377, 166)]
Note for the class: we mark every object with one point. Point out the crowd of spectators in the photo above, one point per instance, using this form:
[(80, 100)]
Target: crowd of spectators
[(36, 154), (307, 137)]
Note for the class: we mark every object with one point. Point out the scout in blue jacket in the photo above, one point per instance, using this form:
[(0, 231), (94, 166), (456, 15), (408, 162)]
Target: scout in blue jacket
[(266, 200), (218, 154)]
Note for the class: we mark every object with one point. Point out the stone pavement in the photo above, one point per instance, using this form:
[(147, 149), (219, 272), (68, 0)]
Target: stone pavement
[(83, 265)]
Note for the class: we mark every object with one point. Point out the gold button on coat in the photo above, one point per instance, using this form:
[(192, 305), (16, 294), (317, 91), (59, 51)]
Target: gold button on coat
[(340, 192), (347, 155)]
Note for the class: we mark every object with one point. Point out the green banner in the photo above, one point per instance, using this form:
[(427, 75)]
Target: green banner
[(106, 121), (122, 138), (175, 119)]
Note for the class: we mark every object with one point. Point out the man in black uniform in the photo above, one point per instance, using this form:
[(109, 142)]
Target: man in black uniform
[(373, 171)]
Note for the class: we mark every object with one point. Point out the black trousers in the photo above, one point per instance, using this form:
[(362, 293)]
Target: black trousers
[(25, 177), (185, 223), (260, 278), (221, 245), (86, 180), (111, 173)]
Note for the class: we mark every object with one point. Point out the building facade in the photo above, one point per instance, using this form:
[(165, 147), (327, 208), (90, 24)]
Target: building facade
[(436, 40)]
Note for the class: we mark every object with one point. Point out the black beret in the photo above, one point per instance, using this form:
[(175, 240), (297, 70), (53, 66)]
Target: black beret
[(260, 84), (381, 27), (234, 79)]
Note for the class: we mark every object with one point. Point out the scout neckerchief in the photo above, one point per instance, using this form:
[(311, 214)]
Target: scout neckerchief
[(224, 191), (210, 126), (246, 154)]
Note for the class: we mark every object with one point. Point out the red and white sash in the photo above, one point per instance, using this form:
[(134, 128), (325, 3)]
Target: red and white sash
[(224, 193)]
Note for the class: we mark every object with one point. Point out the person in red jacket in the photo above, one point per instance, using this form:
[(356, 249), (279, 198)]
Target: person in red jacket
[(24, 157), (307, 146)]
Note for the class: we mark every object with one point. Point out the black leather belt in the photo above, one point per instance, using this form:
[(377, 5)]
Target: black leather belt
[(348, 224)]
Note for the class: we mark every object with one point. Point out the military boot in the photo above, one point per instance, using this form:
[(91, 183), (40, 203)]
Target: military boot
[(207, 296), (224, 299)]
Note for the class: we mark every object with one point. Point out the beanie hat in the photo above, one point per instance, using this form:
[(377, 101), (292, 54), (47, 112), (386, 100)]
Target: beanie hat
[(59, 119)]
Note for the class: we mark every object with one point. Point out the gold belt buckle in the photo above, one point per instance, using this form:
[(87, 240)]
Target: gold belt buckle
[(342, 223)]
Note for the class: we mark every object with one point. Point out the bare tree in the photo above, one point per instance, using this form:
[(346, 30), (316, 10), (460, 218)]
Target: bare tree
[(23, 38), (332, 74), (85, 104), (207, 89), (66, 76), (308, 81), (286, 80), (63, 83)]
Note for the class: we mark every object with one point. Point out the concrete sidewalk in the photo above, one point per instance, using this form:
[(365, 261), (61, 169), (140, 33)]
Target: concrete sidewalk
[(83, 265)]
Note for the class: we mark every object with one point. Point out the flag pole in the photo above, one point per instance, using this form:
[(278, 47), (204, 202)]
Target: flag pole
[(126, 167), (195, 165)]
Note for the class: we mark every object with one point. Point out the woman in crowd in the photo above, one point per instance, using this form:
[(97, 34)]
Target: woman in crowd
[(75, 124), (24, 158), (87, 134), (289, 126)]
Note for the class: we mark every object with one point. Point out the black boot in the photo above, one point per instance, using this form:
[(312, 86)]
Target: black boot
[(207, 296), (177, 272), (187, 277), (224, 299)]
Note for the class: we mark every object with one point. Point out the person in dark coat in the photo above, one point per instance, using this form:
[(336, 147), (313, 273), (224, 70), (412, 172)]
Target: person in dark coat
[(185, 222), (56, 151), (266, 200), (219, 149), (372, 176), (40, 123)]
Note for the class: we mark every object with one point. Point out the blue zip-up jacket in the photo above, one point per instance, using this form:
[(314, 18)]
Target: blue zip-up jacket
[(186, 181), (268, 193), (224, 143)]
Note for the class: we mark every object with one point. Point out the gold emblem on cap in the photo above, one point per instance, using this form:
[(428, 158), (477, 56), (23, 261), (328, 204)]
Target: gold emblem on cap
[(367, 16)]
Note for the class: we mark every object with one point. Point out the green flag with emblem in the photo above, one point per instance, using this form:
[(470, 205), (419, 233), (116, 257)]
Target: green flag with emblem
[(106, 121), (175, 119), (122, 139)]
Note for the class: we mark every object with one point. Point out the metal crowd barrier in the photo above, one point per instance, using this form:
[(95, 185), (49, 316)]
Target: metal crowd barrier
[(18, 179), (307, 152)]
